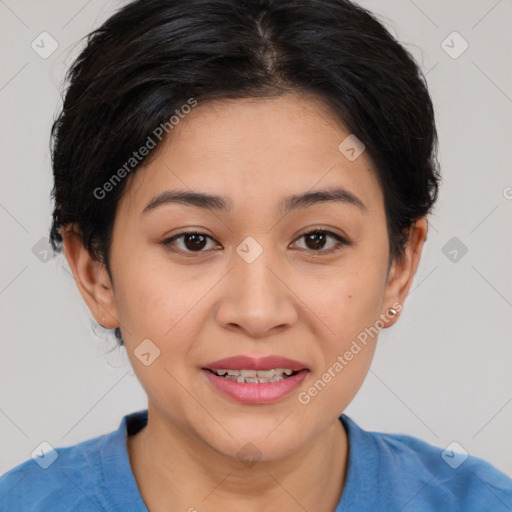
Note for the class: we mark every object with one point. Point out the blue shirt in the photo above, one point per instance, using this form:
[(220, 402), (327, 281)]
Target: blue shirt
[(386, 472)]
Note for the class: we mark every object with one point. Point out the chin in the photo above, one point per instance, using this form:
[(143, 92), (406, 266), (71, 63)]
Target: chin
[(257, 440)]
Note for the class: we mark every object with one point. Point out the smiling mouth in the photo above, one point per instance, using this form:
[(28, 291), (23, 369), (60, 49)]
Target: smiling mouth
[(254, 376)]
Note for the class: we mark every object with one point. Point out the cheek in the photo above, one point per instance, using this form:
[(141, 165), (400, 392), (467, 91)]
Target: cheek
[(349, 327), (345, 345), (348, 299), (154, 297)]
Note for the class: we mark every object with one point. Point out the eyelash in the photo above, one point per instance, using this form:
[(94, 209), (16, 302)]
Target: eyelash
[(167, 243)]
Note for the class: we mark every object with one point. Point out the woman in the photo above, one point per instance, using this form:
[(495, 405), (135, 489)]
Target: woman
[(241, 192)]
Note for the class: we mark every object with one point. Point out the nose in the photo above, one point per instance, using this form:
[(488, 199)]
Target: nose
[(257, 297)]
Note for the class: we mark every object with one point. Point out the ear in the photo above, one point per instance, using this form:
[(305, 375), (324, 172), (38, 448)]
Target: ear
[(402, 272), (91, 278)]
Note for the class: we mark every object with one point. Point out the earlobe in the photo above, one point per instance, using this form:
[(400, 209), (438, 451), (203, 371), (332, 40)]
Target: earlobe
[(91, 278), (402, 272)]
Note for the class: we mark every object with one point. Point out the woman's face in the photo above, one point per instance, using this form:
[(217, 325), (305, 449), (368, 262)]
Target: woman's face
[(252, 284)]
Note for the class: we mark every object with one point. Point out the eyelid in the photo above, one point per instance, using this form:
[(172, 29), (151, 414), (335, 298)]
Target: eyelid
[(341, 242), (340, 239), (327, 231), (168, 241)]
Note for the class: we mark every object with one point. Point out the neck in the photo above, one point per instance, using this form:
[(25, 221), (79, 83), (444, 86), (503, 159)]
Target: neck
[(172, 468)]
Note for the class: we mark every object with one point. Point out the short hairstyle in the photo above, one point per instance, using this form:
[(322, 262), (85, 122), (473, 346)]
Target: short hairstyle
[(152, 57)]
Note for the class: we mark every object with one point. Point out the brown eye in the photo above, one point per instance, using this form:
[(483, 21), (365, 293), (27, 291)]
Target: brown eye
[(191, 242), (194, 241), (317, 240)]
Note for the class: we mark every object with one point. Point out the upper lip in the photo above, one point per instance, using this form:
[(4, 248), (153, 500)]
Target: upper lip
[(241, 362)]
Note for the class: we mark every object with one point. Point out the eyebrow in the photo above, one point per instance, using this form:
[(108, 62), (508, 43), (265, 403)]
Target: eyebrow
[(222, 203)]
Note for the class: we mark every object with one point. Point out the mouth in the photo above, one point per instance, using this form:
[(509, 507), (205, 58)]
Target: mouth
[(253, 380), (254, 376)]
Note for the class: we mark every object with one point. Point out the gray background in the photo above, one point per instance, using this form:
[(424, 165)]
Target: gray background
[(442, 373)]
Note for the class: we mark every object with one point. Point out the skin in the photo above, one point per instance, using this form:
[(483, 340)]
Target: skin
[(292, 301)]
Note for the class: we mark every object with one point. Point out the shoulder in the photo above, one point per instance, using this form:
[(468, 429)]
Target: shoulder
[(55, 478), (421, 476), (450, 474)]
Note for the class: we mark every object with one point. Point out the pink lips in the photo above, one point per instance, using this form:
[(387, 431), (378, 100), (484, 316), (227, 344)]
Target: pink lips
[(253, 393)]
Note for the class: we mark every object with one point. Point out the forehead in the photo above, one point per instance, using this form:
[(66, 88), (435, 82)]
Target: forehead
[(255, 152)]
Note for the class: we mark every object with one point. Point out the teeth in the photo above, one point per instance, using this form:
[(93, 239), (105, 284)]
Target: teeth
[(255, 376), (265, 374), (248, 373)]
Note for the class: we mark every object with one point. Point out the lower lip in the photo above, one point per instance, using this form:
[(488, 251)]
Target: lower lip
[(253, 393)]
